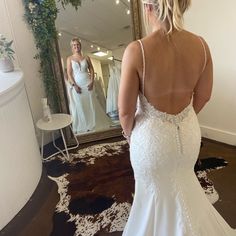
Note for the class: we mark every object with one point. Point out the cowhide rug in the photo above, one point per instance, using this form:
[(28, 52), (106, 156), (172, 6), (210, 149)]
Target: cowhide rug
[(96, 188)]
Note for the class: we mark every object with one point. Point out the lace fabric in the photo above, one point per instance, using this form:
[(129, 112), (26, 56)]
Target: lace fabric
[(150, 111), (168, 199)]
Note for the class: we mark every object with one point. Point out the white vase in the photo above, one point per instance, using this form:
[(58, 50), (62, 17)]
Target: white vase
[(6, 65)]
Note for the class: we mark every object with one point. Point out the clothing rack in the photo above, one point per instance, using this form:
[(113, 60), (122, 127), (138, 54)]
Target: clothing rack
[(114, 59)]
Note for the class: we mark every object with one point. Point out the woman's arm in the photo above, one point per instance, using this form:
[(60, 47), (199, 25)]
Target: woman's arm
[(91, 72), (129, 88), (203, 88), (71, 77)]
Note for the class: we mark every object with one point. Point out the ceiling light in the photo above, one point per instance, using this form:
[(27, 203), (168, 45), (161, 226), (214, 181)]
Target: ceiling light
[(100, 54), (98, 48), (117, 2), (91, 46), (128, 11), (59, 34)]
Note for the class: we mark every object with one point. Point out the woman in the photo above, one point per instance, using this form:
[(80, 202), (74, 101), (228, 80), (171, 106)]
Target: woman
[(170, 72), (81, 76)]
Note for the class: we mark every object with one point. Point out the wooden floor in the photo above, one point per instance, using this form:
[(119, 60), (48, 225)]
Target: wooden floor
[(224, 179), (35, 219)]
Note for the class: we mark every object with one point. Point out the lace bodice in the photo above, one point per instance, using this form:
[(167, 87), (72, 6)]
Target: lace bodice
[(80, 67), (168, 198), (151, 111), (80, 73)]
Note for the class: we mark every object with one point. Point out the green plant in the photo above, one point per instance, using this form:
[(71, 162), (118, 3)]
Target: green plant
[(41, 16), (5, 48)]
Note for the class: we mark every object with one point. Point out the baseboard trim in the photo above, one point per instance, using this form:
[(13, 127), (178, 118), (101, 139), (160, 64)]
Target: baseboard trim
[(218, 135)]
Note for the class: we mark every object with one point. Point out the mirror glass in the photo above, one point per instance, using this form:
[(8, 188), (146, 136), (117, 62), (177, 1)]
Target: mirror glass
[(104, 28)]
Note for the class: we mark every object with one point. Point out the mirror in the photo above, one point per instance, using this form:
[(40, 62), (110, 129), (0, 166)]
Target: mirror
[(91, 72)]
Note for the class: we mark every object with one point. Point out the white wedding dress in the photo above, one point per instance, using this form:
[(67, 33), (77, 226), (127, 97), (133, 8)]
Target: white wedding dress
[(82, 104), (86, 110), (168, 199)]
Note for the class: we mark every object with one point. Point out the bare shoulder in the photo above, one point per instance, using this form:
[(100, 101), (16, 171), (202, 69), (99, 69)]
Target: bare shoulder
[(198, 40), (69, 59), (87, 58), (132, 49), (195, 36), (132, 53), (189, 34)]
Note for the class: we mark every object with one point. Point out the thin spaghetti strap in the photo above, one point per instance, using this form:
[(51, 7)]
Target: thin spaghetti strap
[(141, 45), (205, 54)]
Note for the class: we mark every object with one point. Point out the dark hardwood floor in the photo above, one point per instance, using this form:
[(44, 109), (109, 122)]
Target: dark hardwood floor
[(224, 179)]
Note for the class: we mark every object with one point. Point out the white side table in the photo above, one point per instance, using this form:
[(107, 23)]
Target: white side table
[(58, 122)]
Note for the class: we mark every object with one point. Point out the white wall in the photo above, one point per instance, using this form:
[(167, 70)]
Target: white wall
[(215, 20), (13, 26)]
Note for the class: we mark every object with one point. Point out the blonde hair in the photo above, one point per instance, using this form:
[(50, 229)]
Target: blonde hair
[(170, 12), (75, 39)]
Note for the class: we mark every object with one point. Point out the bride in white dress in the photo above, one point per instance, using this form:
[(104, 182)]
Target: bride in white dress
[(86, 111), (170, 73), (81, 76)]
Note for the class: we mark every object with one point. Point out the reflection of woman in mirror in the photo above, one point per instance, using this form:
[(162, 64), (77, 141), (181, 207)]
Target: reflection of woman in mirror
[(81, 77)]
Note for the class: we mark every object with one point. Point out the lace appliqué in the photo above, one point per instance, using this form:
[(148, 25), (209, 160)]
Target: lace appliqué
[(150, 111)]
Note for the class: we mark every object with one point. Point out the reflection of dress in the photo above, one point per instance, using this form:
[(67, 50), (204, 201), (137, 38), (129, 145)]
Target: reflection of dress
[(169, 200), (112, 91), (81, 104), (99, 92)]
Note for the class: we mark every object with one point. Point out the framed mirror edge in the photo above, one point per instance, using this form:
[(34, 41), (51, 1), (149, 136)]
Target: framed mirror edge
[(63, 101)]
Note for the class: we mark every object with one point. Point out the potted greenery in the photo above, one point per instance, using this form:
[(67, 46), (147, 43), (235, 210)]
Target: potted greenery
[(6, 55)]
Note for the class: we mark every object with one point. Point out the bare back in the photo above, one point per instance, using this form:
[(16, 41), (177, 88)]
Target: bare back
[(171, 69)]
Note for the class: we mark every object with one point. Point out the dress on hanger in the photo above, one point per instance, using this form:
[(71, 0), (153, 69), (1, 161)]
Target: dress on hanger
[(99, 92), (168, 199), (112, 91)]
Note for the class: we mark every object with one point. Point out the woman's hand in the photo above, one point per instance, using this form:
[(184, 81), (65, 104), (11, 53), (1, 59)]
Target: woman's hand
[(127, 137), (90, 86), (77, 88)]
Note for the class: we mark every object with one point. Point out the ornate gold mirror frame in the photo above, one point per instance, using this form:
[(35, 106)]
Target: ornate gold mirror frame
[(63, 102)]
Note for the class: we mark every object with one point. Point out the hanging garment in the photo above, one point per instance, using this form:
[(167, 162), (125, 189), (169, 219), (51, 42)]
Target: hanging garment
[(112, 91)]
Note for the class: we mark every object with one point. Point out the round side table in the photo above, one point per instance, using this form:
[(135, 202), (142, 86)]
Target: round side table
[(58, 122)]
